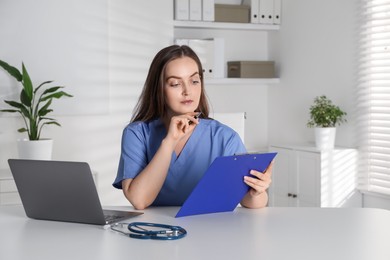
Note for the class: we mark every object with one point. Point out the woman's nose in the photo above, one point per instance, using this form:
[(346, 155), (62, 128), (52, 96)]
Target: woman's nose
[(186, 89)]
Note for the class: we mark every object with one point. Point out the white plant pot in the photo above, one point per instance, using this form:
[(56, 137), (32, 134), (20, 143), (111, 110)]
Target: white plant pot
[(325, 137), (35, 150)]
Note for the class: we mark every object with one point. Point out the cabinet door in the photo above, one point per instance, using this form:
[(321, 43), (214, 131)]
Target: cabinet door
[(308, 183), (282, 175)]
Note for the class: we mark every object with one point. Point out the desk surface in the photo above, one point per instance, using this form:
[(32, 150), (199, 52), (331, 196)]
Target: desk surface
[(269, 233)]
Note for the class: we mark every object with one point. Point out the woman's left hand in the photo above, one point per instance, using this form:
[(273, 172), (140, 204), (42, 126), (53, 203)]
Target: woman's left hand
[(260, 182)]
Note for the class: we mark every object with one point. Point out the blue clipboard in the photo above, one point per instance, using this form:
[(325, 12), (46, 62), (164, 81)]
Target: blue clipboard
[(222, 186)]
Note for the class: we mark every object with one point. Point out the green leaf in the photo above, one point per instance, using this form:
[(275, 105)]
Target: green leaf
[(14, 104), (56, 95), (46, 82), (9, 110), (47, 118), (14, 72), (24, 98), (44, 110), (52, 123), (22, 109), (26, 113), (27, 84), (22, 130), (51, 90)]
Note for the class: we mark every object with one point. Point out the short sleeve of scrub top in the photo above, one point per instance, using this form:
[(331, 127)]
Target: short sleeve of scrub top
[(141, 140)]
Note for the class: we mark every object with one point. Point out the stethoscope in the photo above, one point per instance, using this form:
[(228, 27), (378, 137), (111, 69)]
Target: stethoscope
[(156, 231)]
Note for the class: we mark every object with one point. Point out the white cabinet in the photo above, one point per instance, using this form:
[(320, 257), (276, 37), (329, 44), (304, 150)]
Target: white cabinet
[(305, 177)]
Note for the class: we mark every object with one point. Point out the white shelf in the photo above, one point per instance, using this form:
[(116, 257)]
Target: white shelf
[(244, 81), (229, 26)]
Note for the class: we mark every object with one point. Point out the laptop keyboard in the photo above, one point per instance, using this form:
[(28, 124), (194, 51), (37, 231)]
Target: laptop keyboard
[(111, 218), (114, 216)]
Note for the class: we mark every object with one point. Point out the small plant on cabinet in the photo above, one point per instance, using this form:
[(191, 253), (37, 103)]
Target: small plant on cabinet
[(323, 113)]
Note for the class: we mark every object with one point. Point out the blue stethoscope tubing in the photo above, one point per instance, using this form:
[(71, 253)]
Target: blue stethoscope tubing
[(167, 232)]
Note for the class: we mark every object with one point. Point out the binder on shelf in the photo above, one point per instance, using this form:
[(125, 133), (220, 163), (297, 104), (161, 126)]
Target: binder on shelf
[(205, 51), (254, 12), (182, 10), (277, 11), (219, 58), (211, 54), (195, 10), (208, 10), (266, 11)]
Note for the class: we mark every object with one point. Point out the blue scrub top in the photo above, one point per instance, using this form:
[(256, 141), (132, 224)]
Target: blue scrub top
[(141, 140)]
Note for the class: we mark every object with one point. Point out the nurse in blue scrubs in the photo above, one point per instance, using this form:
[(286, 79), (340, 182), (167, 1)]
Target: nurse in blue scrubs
[(167, 147)]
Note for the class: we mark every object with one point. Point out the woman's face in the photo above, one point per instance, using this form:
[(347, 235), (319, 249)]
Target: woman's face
[(182, 87)]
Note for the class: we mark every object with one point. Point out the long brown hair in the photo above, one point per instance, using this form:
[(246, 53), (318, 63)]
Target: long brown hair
[(151, 103)]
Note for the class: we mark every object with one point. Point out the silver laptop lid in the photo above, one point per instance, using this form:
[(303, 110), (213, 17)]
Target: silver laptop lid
[(58, 190)]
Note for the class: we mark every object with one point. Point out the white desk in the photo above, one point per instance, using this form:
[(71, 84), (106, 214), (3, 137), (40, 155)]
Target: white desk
[(270, 233)]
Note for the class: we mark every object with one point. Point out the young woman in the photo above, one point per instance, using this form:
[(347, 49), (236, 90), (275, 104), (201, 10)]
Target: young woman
[(166, 148)]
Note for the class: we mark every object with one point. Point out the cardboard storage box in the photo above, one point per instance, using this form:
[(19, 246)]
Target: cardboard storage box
[(251, 69), (231, 13)]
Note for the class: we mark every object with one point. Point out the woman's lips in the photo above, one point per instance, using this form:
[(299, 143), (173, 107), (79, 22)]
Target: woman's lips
[(187, 102)]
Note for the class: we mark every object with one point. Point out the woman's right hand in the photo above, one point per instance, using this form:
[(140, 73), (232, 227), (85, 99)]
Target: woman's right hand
[(181, 125)]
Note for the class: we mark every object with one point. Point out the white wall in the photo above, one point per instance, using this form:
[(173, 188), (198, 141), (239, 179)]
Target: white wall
[(64, 41), (315, 51), (112, 59)]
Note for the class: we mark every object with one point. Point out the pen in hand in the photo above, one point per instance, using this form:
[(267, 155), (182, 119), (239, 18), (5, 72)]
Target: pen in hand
[(196, 117)]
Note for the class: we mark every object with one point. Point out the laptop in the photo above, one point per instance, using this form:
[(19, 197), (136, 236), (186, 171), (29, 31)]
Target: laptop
[(62, 191)]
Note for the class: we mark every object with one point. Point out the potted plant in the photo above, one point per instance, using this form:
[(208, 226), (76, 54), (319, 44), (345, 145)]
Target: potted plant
[(33, 107), (324, 117)]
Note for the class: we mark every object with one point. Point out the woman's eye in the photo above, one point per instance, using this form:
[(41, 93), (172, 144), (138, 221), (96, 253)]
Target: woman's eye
[(195, 81), (174, 84)]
